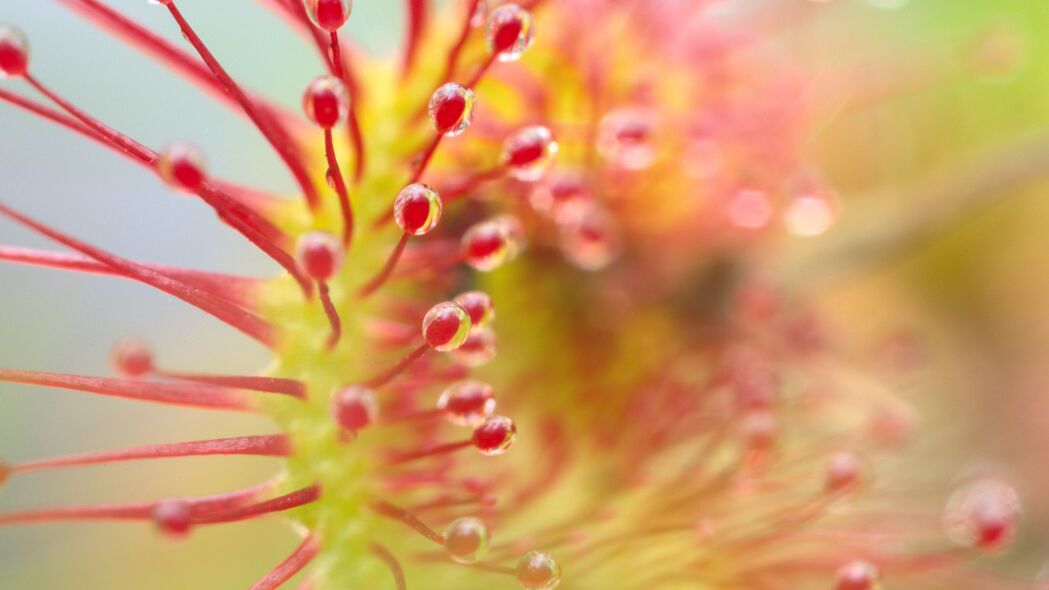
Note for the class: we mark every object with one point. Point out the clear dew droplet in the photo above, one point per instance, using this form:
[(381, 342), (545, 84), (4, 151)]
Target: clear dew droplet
[(811, 214), (592, 241), (417, 209), (858, 575), (446, 326), (451, 109), (181, 166), (329, 15), (354, 407), (478, 349), (466, 540), (983, 515), (563, 198), (538, 570), (467, 403), (510, 32), (627, 138), (487, 245), (494, 436), (529, 153), (326, 101)]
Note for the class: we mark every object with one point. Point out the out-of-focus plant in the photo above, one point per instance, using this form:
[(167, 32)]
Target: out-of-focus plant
[(609, 174)]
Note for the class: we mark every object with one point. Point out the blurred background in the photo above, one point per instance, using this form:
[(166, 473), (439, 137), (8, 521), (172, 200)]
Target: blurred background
[(930, 118)]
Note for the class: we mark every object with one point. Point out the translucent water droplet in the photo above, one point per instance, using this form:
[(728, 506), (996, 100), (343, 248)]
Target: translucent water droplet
[(478, 349), (329, 15), (354, 407), (495, 435), (538, 570), (479, 305), (811, 214), (132, 358), (173, 517), (319, 254), (451, 109), (446, 326), (758, 429), (486, 246), (983, 515), (417, 209), (842, 472), (181, 166), (592, 241), (466, 540), (627, 138), (563, 198), (326, 101), (510, 32), (529, 153), (858, 575), (467, 403)]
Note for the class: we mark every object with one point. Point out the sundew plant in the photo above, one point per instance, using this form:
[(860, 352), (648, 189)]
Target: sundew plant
[(524, 324)]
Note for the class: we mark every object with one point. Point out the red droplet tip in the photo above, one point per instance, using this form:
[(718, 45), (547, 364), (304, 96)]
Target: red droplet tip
[(320, 255), (354, 407), (132, 358)]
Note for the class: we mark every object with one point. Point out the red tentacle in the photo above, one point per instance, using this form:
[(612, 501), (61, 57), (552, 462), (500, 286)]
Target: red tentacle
[(270, 128), (180, 394), (302, 556), (274, 445), (235, 289), (228, 313)]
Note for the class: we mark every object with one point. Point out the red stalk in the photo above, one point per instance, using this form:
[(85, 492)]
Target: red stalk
[(390, 511), (264, 384), (266, 445), (481, 71), (279, 140), (241, 200), (335, 175), (136, 511), (257, 230), (333, 316), (457, 49), (426, 157), (228, 313), (133, 148), (299, 558), (180, 394), (384, 273), (385, 377), (391, 562), (57, 117), (417, 17), (339, 66), (352, 122), (430, 452), (184, 64), (235, 289), (288, 501)]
